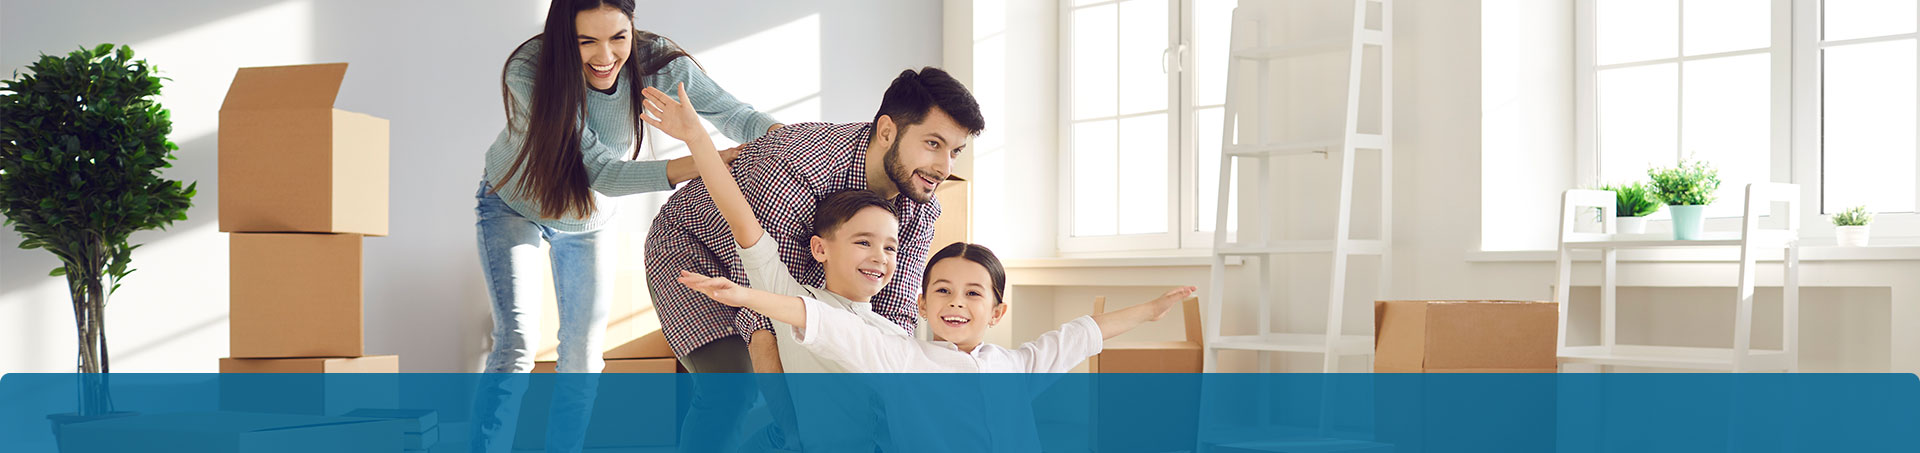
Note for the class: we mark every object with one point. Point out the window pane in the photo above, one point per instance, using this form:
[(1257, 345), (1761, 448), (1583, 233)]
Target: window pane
[(1726, 122), (1206, 127), (1143, 45), (1093, 178), (1638, 114), (1212, 22), (1868, 125), (1848, 19), (1143, 168), (1093, 62), (1636, 30), (1715, 26)]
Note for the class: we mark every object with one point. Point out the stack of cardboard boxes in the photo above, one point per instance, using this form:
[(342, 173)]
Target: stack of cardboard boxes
[(301, 184)]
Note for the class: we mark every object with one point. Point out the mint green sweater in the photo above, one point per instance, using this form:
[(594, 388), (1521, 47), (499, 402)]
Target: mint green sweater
[(608, 136)]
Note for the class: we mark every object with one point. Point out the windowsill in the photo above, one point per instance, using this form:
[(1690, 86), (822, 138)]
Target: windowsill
[(1170, 258), (1708, 255)]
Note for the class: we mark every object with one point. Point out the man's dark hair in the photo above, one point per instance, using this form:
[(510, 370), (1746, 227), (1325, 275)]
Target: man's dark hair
[(914, 94), (840, 206)]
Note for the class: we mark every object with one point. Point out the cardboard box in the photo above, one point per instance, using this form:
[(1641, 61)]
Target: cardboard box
[(368, 364), (1153, 356), (666, 365), (956, 211), (290, 162), (416, 420), (310, 386), (624, 413), (232, 432), (295, 295), (1155, 421), (1465, 336)]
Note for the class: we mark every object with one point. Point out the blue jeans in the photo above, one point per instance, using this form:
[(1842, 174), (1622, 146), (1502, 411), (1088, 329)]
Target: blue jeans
[(509, 250)]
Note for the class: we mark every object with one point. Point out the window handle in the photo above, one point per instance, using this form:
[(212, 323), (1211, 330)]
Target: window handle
[(1176, 54)]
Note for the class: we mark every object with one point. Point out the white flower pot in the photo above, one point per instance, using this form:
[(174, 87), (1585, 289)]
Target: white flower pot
[(1851, 236), (1630, 225)]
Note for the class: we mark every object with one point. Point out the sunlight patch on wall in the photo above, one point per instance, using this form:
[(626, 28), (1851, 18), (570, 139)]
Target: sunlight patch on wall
[(201, 60)]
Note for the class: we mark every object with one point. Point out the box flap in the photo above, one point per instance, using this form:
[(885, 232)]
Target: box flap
[(279, 87), (1399, 335)]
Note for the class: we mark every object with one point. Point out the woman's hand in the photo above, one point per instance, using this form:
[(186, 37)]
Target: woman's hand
[(677, 118)]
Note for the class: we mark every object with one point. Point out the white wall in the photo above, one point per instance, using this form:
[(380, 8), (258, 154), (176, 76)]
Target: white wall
[(433, 69), (1014, 71), (1527, 107)]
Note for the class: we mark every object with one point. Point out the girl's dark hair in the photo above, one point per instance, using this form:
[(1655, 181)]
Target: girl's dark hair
[(979, 254), (549, 163), (840, 206)]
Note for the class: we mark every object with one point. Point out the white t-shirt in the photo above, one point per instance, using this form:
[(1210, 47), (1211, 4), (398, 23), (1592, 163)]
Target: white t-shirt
[(846, 339), (766, 272)]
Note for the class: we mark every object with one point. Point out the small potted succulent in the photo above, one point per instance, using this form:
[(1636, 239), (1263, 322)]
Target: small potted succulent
[(1633, 203), (1687, 189), (1850, 226)]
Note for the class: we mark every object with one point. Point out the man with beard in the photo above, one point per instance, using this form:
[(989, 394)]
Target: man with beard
[(925, 120)]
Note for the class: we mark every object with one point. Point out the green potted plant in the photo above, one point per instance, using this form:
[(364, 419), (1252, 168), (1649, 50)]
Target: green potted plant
[(1850, 226), (81, 152), (1633, 202), (1687, 189)]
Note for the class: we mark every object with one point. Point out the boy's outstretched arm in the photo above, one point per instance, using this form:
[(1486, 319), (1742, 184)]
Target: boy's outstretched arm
[(1117, 322), (787, 309), (679, 120)]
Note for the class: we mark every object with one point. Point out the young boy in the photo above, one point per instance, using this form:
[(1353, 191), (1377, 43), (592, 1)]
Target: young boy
[(856, 241)]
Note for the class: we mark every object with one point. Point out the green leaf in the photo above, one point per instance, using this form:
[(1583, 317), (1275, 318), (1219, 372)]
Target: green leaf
[(58, 271), (82, 150)]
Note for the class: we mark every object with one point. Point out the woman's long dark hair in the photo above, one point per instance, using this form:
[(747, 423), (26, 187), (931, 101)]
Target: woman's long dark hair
[(549, 164)]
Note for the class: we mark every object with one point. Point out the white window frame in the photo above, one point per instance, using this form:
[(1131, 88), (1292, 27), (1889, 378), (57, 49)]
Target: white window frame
[(1795, 117), (1182, 227), (1807, 137)]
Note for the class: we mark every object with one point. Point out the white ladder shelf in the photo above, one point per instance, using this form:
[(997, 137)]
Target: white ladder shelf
[(1751, 237), (1332, 344)]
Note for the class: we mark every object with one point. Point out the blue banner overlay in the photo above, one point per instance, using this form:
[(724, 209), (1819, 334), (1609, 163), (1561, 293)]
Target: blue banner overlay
[(1227, 413)]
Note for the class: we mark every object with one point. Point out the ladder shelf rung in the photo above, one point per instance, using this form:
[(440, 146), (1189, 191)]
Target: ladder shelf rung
[(1353, 247)]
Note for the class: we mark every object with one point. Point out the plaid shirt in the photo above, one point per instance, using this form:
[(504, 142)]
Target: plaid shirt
[(784, 175)]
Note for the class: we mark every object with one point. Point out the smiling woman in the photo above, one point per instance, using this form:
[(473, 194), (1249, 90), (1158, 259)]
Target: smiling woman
[(572, 96)]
